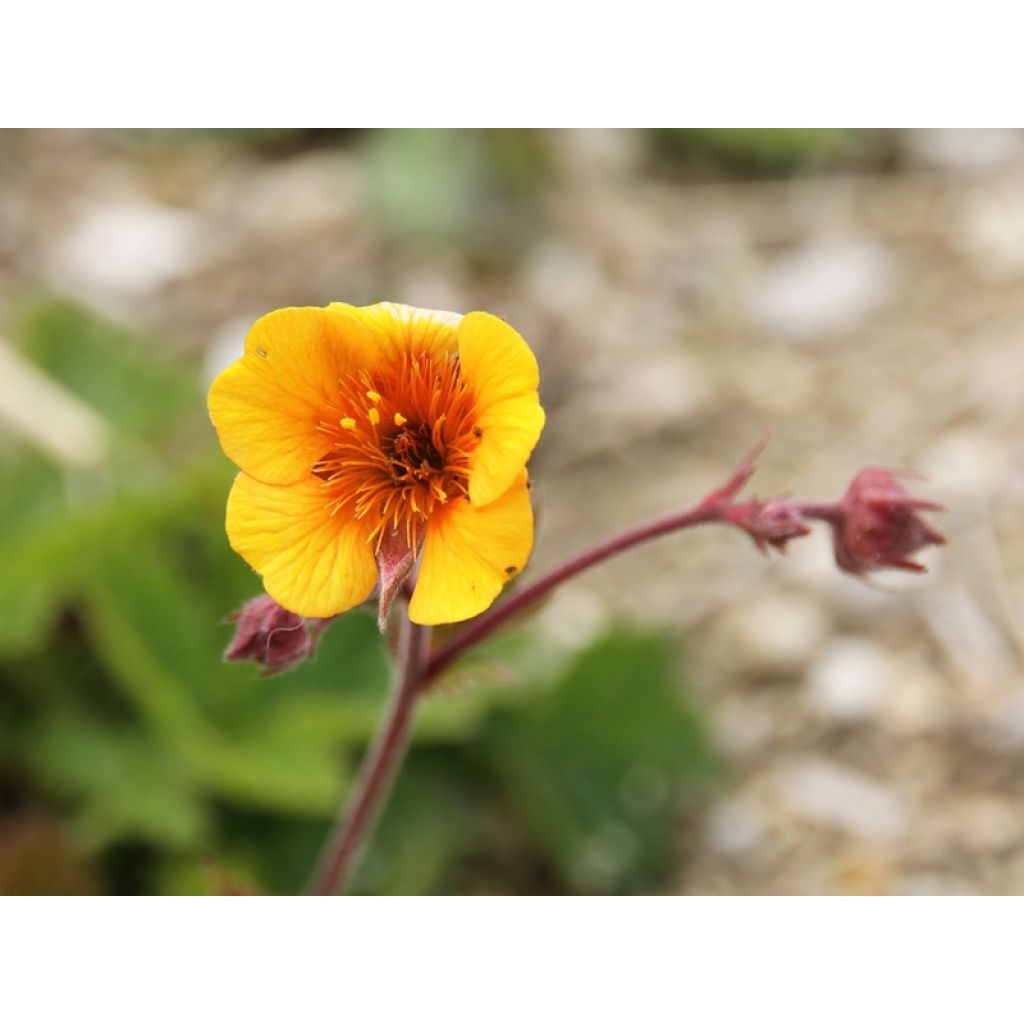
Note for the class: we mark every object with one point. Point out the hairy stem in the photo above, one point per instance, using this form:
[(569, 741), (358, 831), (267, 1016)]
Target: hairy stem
[(340, 853)]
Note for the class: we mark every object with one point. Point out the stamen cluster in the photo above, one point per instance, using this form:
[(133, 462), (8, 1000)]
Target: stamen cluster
[(399, 443)]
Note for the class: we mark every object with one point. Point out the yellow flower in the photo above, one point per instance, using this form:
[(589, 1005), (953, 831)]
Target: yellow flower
[(356, 427)]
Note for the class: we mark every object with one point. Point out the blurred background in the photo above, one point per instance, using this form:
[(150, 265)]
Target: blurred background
[(691, 718)]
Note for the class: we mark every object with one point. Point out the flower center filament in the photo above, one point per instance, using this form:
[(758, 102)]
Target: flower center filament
[(398, 445)]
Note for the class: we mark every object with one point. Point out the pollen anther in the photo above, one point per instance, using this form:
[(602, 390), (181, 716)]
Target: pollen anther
[(348, 423)]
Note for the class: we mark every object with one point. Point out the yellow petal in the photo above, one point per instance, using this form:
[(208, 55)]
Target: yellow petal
[(509, 431), (398, 329), (495, 360), (502, 371), (470, 553), (266, 407), (313, 564)]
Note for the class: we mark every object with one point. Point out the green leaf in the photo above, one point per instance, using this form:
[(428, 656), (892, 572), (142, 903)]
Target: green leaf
[(130, 380), (775, 151), (32, 498), (264, 770), (477, 188), (598, 764), (152, 639), (125, 786)]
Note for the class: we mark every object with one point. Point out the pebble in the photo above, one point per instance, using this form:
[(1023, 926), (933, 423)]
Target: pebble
[(560, 277), (302, 195), (777, 632), (824, 287), (848, 681), (976, 824), (735, 829), (915, 700), (966, 149), (828, 793), (966, 462), (1003, 726), (573, 618), (993, 235), (934, 884), (125, 248)]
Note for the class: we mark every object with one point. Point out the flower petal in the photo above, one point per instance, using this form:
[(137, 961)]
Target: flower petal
[(267, 406), (470, 553), (312, 563), (398, 329), (502, 371), (495, 360), (509, 432)]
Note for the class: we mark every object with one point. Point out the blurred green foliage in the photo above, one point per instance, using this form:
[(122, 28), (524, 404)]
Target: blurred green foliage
[(476, 189), (135, 760), (771, 152)]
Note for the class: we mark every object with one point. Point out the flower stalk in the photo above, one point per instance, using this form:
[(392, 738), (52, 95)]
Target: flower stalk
[(339, 857), (875, 525)]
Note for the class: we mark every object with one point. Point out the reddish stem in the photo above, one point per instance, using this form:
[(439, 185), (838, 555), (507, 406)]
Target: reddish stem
[(481, 628), (715, 508), (710, 510), (826, 511), (339, 857)]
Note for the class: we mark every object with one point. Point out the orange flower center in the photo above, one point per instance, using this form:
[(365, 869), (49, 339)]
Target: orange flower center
[(398, 446)]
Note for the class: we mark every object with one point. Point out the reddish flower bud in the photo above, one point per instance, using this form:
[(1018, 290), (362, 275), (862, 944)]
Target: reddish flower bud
[(876, 524), (774, 522), (272, 636)]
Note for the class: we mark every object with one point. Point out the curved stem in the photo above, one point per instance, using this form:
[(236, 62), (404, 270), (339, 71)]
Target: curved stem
[(708, 511), (767, 523), (717, 507), (339, 857)]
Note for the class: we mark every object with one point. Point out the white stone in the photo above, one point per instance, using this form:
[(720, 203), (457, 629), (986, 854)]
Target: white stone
[(934, 885), (966, 462), (848, 681), (663, 386), (966, 148), (915, 700), (560, 278), (823, 287), (573, 617), (126, 248), (777, 632), (829, 793), (735, 828), (994, 233)]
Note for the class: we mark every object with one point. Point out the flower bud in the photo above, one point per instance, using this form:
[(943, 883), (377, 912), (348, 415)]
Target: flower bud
[(877, 525), (774, 522), (272, 636)]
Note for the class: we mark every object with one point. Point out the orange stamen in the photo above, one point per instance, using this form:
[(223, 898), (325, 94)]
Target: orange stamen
[(393, 468)]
